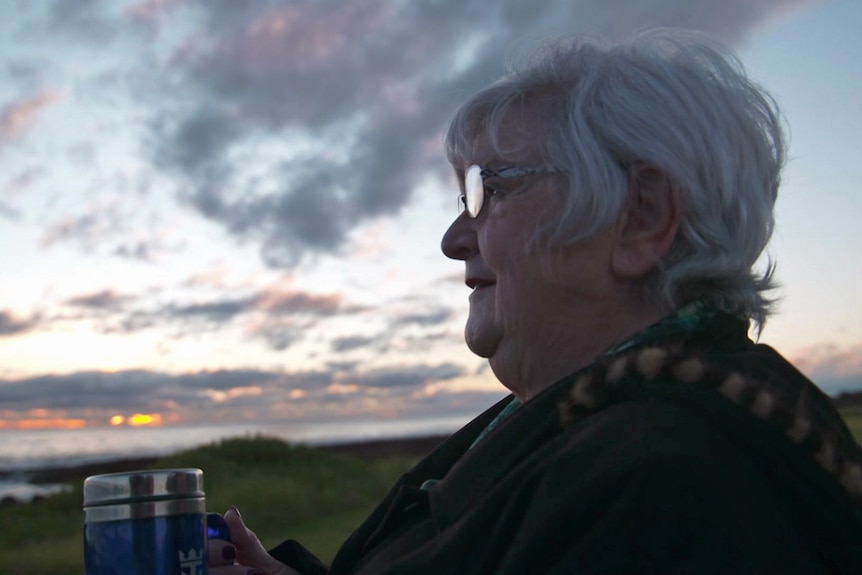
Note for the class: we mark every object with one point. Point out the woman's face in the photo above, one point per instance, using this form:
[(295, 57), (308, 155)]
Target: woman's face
[(527, 298)]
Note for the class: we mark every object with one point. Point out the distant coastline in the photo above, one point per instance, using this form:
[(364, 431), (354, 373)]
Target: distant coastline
[(33, 480), (368, 450), (415, 447)]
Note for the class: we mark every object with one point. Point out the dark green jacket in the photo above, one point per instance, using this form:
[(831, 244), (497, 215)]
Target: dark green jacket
[(702, 454)]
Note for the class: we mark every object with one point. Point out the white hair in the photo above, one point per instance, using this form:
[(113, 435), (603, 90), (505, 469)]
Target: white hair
[(669, 99)]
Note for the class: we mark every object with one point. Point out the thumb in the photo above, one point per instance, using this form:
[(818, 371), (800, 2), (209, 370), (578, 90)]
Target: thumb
[(249, 550)]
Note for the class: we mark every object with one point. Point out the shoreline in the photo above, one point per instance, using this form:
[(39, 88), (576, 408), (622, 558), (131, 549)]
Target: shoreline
[(368, 450)]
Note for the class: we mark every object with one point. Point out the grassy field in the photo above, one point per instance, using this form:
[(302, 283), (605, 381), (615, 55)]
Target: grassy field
[(282, 491), (311, 495), (853, 418)]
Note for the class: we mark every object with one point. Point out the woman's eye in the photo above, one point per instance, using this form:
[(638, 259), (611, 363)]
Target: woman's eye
[(494, 188)]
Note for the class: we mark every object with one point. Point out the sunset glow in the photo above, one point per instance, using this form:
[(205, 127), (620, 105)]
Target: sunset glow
[(43, 424), (44, 419), (145, 419)]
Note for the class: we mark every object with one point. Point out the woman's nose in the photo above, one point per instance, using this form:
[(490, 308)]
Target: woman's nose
[(459, 241)]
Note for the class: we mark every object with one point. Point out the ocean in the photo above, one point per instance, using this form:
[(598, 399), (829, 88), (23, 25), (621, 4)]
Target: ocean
[(23, 451)]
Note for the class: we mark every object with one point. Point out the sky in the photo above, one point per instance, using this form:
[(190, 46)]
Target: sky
[(232, 211)]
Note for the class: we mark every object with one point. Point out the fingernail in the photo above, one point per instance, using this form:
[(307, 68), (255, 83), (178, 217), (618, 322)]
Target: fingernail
[(235, 510), (228, 553)]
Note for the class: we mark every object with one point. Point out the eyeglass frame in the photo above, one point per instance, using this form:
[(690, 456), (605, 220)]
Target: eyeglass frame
[(464, 202)]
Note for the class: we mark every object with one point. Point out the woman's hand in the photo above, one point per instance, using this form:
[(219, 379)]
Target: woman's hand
[(244, 554)]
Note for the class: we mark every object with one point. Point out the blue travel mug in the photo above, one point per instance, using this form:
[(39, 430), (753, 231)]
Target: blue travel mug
[(149, 522)]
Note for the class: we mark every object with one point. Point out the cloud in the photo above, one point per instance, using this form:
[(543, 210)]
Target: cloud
[(833, 367), (82, 20), (23, 180), (89, 229), (96, 390), (9, 325), (278, 317), (288, 303), (217, 311), (425, 319), (19, 117), (112, 216), (309, 380), (105, 299), (229, 379), (346, 96), (25, 72), (350, 343), (257, 395), (7, 212), (140, 390), (139, 251), (407, 376), (280, 336), (147, 14), (272, 303)]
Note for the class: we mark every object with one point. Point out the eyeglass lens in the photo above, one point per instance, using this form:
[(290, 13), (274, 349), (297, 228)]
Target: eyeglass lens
[(474, 190)]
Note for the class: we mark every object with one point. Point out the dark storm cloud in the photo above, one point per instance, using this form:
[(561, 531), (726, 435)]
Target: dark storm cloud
[(10, 325), (373, 83)]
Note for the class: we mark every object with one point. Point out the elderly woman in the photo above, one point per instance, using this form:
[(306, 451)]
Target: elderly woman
[(615, 201)]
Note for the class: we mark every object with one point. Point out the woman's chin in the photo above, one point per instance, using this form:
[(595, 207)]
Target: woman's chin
[(482, 340)]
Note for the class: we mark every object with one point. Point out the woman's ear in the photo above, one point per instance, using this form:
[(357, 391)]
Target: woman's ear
[(648, 224)]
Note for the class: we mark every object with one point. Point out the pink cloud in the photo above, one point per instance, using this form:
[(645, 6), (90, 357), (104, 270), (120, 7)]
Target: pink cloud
[(830, 360), (19, 117), (149, 11)]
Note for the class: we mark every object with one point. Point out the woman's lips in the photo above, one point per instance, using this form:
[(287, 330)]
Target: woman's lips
[(479, 283)]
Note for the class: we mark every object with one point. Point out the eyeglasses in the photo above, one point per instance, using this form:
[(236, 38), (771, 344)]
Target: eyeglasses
[(474, 194)]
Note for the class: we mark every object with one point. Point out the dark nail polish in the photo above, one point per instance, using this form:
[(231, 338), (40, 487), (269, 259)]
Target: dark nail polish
[(228, 553)]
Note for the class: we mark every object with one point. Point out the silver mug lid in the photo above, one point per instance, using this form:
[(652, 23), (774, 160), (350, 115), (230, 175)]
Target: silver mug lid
[(145, 485)]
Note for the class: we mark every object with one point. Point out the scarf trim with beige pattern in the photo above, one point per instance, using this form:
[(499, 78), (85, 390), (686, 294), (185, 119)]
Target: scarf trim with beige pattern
[(801, 413)]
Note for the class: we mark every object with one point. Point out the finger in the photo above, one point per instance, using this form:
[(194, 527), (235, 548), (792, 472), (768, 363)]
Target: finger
[(220, 552), (249, 549)]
